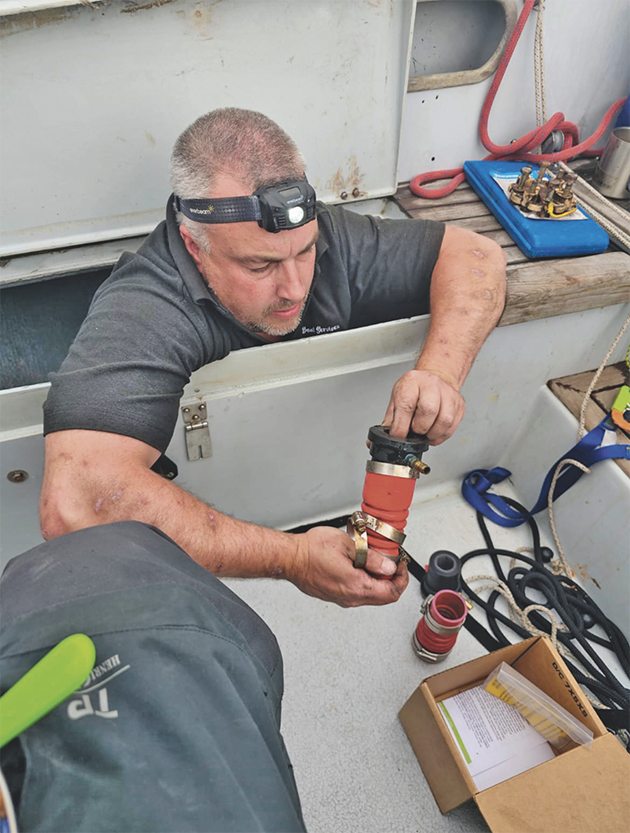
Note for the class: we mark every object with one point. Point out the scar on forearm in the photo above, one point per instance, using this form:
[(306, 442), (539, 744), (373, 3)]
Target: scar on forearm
[(478, 253), (113, 498), (478, 272)]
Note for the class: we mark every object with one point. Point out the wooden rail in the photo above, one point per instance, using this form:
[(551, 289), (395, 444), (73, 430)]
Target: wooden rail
[(539, 288)]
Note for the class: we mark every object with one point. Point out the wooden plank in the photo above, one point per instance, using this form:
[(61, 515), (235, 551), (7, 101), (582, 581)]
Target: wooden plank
[(449, 213), (479, 224), (571, 390), (500, 237), (512, 252), (514, 255), (544, 288), (456, 198)]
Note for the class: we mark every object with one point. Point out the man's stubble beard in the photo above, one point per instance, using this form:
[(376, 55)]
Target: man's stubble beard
[(274, 330), (261, 326)]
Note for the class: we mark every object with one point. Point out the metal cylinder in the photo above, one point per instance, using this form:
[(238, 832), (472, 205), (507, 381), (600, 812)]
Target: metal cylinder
[(612, 175)]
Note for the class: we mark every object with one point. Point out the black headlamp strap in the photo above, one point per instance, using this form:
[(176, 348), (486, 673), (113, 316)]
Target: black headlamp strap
[(222, 210)]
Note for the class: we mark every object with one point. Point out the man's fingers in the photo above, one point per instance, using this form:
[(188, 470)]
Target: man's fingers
[(443, 425), (379, 591), (327, 572), (427, 410), (450, 415), (405, 404), (379, 565), (389, 413), (401, 578)]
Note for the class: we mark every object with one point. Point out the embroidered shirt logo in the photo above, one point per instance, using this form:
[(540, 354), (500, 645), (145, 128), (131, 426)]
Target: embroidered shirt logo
[(315, 331)]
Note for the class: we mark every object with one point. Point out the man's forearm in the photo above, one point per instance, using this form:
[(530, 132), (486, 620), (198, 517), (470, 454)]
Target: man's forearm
[(467, 298), (221, 544), (94, 478)]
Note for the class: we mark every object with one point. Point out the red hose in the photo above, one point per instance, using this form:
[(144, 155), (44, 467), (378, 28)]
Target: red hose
[(448, 612), (387, 498), (522, 148)]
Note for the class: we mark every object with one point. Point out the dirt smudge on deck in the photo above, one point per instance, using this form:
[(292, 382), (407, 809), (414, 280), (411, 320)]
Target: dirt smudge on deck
[(581, 570), (132, 8)]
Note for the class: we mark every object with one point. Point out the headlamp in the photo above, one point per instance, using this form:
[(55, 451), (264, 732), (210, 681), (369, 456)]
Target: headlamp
[(284, 205)]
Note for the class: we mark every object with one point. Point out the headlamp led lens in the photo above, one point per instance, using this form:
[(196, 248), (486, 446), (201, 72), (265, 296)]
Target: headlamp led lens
[(295, 214)]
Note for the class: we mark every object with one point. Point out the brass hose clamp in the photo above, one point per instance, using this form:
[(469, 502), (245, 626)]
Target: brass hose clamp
[(359, 523), (357, 529), (391, 470)]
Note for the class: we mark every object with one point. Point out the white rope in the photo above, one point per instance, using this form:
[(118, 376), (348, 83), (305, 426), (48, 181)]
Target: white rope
[(562, 565), (539, 69), (521, 616), (598, 373), (587, 186), (611, 228), (596, 203)]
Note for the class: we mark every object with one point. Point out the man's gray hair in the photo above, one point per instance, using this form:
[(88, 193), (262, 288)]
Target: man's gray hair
[(244, 144)]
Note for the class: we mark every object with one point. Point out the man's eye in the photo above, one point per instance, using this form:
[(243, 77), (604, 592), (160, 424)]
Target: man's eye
[(260, 270)]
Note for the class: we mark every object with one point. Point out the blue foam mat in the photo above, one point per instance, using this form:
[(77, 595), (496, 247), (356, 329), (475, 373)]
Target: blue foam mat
[(536, 238)]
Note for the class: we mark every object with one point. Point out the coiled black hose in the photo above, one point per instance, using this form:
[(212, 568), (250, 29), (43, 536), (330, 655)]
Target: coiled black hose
[(572, 604)]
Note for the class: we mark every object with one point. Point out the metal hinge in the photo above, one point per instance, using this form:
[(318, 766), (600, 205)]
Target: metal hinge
[(197, 432)]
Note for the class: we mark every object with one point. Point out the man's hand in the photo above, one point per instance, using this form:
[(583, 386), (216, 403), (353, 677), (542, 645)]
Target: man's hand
[(323, 568), (424, 402), (467, 298)]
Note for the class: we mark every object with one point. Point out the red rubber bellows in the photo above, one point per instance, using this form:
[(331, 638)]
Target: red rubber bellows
[(447, 611), (387, 498)]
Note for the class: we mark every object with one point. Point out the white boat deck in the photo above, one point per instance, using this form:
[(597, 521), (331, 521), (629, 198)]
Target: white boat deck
[(349, 671)]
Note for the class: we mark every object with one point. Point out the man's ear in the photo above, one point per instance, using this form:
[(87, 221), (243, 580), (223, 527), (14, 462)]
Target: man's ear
[(191, 245)]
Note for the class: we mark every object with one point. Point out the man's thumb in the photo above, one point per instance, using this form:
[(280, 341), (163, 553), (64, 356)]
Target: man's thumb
[(379, 565)]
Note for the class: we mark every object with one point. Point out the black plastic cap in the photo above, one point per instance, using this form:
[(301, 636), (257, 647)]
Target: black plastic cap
[(444, 573)]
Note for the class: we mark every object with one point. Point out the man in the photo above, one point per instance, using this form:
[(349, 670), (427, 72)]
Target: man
[(195, 291)]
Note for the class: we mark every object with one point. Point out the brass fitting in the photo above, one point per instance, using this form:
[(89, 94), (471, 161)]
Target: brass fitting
[(417, 465)]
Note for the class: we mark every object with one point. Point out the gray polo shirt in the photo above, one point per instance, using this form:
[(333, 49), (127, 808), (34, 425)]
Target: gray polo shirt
[(155, 321)]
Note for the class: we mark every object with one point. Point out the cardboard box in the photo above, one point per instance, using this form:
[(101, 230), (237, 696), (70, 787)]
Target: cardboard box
[(580, 790)]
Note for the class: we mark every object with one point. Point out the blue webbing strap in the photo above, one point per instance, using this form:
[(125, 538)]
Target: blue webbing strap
[(587, 451)]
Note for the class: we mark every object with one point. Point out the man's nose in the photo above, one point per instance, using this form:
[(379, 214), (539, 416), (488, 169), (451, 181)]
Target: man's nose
[(290, 285)]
